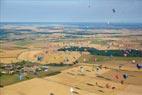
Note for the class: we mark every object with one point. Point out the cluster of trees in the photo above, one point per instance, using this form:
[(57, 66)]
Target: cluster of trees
[(93, 51)]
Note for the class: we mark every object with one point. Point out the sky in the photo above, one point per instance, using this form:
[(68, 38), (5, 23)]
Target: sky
[(127, 11)]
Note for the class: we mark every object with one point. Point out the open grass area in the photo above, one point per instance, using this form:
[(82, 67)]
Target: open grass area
[(90, 58), (9, 79), (53, 70), (127, 58), (14, 78), (99, 41), (23, 42)]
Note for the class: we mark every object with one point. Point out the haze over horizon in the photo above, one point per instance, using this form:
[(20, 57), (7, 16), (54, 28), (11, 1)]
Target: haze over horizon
[(127, 11)]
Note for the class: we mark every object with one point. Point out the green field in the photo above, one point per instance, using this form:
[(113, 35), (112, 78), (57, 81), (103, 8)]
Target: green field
[(8, 79), (90, 58), (11, 79), (99, 41), (23, 42)]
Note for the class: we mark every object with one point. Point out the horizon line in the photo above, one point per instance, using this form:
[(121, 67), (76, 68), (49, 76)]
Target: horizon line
[(65, 22)]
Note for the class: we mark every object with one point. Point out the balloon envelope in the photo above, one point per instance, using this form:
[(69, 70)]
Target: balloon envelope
[(113, 10)]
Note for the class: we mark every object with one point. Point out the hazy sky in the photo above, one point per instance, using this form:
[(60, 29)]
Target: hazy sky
[(71, 11)]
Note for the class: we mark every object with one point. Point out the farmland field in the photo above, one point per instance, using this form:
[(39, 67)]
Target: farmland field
[(92, 62)]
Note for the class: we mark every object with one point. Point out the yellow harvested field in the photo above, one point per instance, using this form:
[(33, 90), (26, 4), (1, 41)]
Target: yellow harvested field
[(50, 57), (86, 80), (10, 53), (85, 83), (10, 56), (8, 60), (40, 87), (126, 65), (131, 90)]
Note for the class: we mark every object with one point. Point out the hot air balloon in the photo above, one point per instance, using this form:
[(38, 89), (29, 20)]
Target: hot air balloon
[(139, 66), (51, 93), (108, 85), (39, 58), (116, 76), (71, 90), (95, 59), (125, 76), (122, 82), (133, 61), (21, 76), (89, 4), (113, 10), (81, 69)]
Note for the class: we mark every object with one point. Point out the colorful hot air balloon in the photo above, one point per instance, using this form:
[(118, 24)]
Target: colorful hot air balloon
[(139, 66), (95, 59)]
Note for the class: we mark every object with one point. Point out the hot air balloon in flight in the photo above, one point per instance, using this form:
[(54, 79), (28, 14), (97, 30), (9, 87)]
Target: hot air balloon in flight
[(89, 4), (125, 76), (139, 66), (39, 58), (113, 10), (71, 90)]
